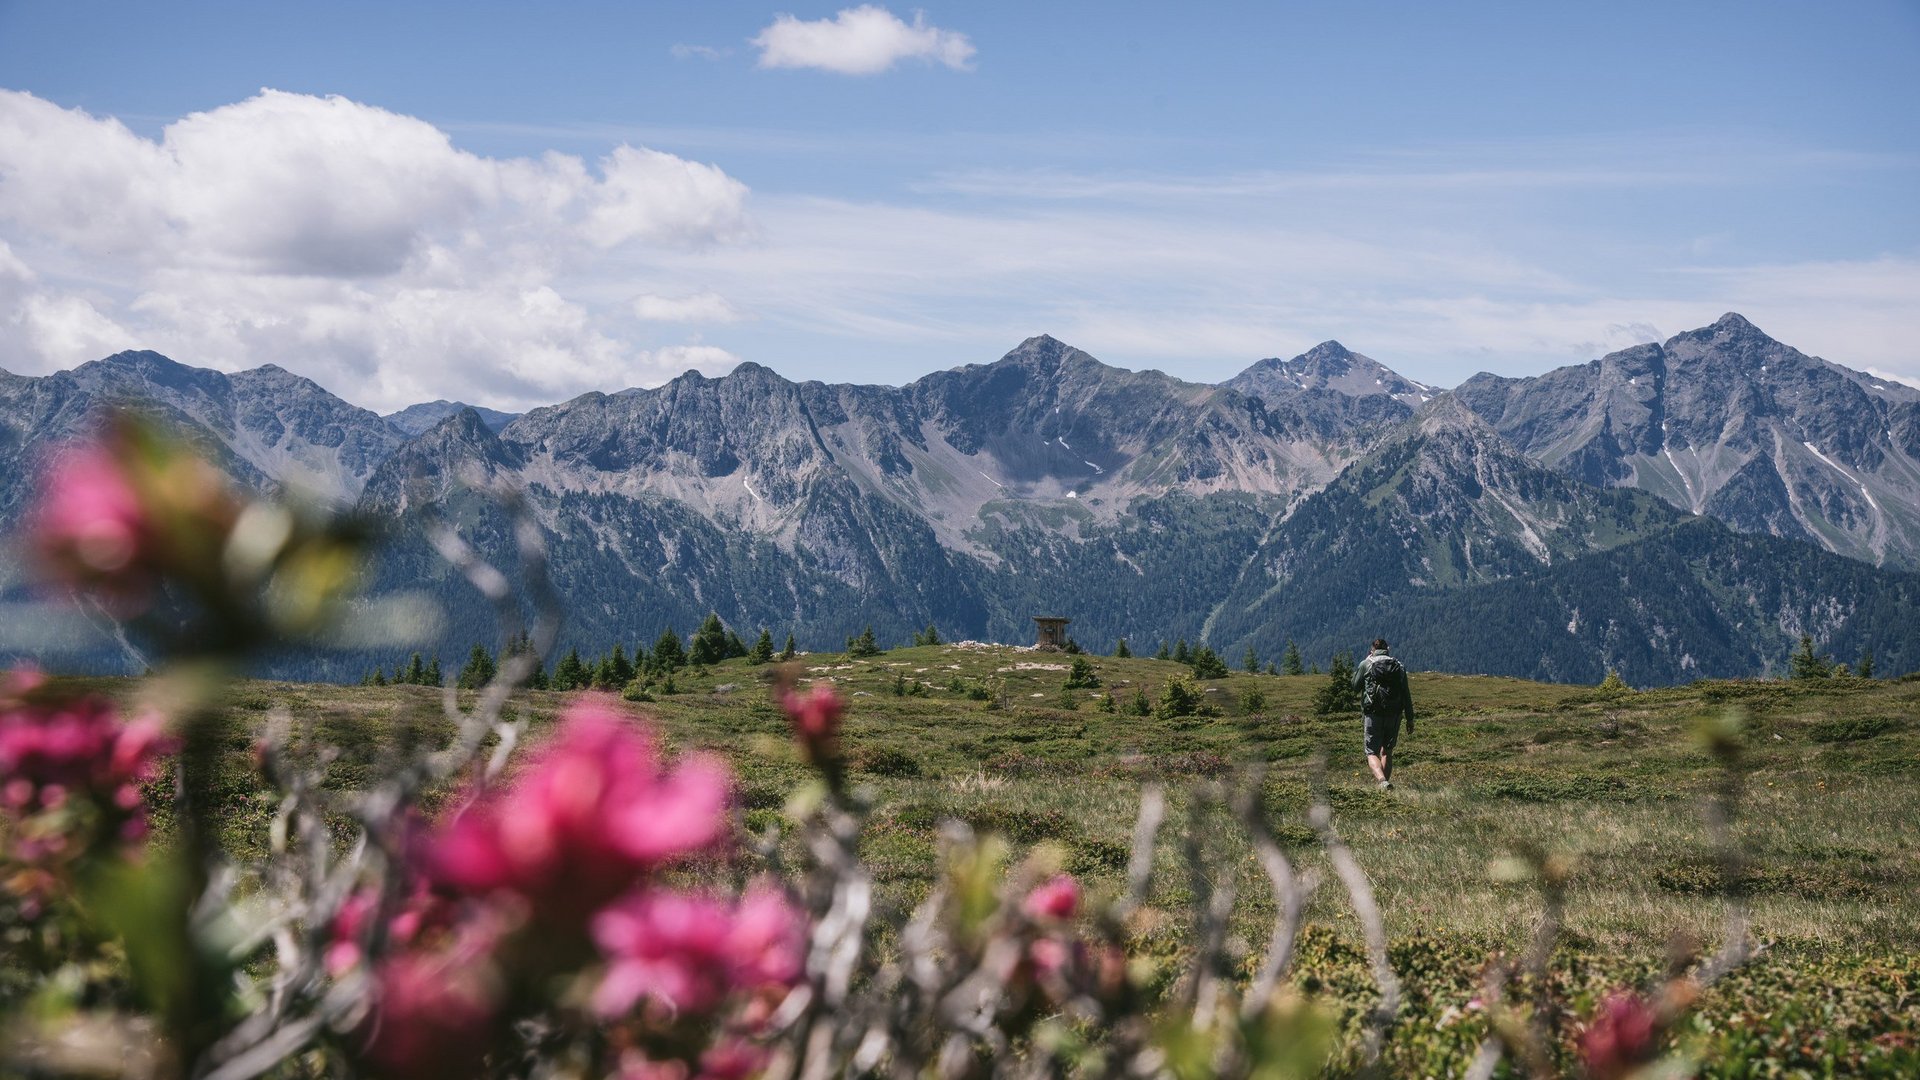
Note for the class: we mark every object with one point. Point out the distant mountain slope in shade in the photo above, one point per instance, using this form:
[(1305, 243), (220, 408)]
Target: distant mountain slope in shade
[(1471, 557), (1726, 421), (416, 419), (1324, 499)]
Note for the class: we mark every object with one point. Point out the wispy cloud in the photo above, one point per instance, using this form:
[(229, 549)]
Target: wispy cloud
[(683, 51), (702, 307), (865, 40)]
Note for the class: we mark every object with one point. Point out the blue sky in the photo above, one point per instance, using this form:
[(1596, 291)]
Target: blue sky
[(512, 203)]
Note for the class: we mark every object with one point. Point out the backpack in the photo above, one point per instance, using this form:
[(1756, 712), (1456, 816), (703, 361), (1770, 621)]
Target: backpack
[(1382, 693)]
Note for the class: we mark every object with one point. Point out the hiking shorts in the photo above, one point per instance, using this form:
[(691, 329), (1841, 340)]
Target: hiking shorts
[(1382, 732)]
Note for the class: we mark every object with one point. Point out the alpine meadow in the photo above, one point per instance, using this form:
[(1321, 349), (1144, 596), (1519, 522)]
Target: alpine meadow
[(561, 543)]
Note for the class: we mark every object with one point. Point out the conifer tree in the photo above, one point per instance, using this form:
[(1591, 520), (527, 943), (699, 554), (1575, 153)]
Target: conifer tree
[(1141, 705), (416, 673), (863, 646), (1206, 663), (1251, 661), (1808, 664), (1164, 653), (1080, 675), (709, 642), (480, 669), (1181, 654), (522, 644), (1865, 667), (621, 667), (789, 652), (434, 678), (379, 676), (571, 672), (668, 655), (762, 648), (735, 647), (1338, 694), (1290, 662), (1180, 697), (1120, 650)]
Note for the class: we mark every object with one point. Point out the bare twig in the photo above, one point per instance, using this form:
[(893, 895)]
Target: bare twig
[(1289, 896), (1360, 890)]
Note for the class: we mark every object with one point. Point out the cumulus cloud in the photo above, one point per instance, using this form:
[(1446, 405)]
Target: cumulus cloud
[(358, 244), (864, 40), (702, 307)]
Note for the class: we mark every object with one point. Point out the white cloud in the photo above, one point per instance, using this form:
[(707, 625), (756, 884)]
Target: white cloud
[(1910, 380), (682, 51), (864, 40), (673, 359), (702, 307), (355, 244), (651, 196)]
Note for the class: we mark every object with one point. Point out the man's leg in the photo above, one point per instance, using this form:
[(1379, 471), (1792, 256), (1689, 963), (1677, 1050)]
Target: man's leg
[(1380, 766), (1386, 762)]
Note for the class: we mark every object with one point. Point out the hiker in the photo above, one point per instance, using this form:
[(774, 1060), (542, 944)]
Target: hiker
[(1384, 698)]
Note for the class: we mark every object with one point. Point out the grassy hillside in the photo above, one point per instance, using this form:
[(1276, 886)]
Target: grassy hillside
[(986, 735)]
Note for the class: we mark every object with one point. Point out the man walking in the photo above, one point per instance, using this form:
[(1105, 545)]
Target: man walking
[(1384, 699)]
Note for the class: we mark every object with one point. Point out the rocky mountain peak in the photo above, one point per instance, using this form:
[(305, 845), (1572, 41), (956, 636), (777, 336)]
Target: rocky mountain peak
[(1730, 334), (1044, 354), (137, 366), (1328, 366), (417, 419)]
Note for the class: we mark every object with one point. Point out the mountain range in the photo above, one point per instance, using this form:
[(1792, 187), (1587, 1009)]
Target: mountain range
[(1669, 511)]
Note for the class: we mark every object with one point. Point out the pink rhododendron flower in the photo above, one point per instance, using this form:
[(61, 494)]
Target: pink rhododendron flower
[(688, 952), (594, 812), (815, 716), (53, 752), (90, 526), (1623, 1035), (733, 1059), (433, 1014), (1049, 958), (1058, 898), (420, 912)]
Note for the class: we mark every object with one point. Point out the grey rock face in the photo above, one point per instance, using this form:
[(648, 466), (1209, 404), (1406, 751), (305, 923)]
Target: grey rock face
[(1726, 421), (1301, 498), (269, 428), (1329, 366), (416, 419)]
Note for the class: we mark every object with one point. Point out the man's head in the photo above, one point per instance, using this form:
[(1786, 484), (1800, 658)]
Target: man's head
[(1379, 644)]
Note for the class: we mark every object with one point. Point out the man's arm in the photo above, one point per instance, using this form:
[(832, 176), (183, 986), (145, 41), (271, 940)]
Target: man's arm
[(1406, 695), (1360, 676)]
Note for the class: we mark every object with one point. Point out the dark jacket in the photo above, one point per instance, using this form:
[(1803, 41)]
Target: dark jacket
[(1406, 695)]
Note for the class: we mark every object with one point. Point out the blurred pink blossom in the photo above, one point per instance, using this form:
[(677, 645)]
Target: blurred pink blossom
[(815, 716), (595, 811), (90, 526), (421, 911), (688, 952), (1057, 898), (433, 1014), (52, 752), (1623, 1035)]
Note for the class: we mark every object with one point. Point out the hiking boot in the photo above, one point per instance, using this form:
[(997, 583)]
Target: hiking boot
[(1386, 785)]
